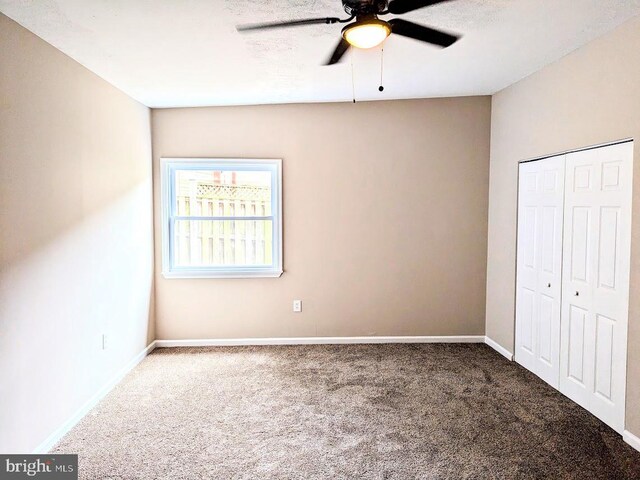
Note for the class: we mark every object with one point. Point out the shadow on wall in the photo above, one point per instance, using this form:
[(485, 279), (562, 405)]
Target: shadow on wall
[(76, 241), (55, 305)]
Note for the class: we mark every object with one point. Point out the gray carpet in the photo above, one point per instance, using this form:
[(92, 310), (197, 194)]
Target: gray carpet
[(342, 411)]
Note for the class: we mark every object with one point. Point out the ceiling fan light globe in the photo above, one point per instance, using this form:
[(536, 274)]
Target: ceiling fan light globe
[(367, 34)]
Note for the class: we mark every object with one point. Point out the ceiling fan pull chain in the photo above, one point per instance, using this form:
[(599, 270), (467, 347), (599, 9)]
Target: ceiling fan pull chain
[(381, 88), (353, 83)]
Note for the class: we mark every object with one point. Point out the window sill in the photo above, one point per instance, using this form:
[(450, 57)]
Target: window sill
[(210, 274)]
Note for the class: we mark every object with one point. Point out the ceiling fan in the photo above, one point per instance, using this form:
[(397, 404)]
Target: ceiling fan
[(368, 30)]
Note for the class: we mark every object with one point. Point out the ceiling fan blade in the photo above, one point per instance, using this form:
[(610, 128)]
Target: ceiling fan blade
[(404, 6), (292, 23), (422, 33), (340, 50)]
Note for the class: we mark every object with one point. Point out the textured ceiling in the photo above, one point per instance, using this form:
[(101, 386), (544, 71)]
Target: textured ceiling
[(188, 53)]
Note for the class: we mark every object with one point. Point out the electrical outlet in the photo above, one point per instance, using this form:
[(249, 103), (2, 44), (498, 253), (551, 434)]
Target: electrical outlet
[(104, 341), (297, 306)]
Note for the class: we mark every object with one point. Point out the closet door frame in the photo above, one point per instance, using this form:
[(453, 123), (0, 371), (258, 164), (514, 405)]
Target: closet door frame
[(618, 423)]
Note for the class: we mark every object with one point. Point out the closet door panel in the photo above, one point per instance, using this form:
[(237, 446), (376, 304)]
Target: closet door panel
[(545, 330), (577, 332), (580, 217), (596, 262), (611, 283), (551, 207), (540, 220), (575, 351), (527, 261)]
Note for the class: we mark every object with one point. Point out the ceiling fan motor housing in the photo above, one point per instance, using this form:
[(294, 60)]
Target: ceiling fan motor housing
[(358, 8)]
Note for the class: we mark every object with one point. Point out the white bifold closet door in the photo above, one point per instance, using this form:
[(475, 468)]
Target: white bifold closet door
[(539, 263), (595, 296)]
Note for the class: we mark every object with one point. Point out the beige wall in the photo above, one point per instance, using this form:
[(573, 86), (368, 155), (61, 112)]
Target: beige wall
[(75, 235), (589, 97), (385, 213)]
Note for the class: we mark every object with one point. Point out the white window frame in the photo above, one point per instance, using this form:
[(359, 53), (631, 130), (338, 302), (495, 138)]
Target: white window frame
[(168, 166)]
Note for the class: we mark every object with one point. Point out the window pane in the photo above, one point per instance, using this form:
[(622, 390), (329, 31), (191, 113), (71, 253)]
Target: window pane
[(216, 243), (222, 193)]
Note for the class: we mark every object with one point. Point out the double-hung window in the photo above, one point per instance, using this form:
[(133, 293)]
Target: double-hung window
[(221, 217)]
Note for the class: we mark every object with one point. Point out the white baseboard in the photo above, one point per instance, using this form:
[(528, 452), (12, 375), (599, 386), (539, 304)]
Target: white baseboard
[(63, 429), (318, 341), (631, 439), (499, 348)]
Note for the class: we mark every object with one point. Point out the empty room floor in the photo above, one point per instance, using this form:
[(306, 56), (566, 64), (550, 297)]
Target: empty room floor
[(342, 411)]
